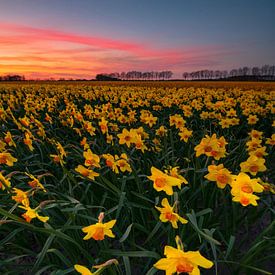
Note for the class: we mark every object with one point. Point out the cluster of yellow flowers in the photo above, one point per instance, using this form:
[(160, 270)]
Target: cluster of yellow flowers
[(212, 147), (103, 130)]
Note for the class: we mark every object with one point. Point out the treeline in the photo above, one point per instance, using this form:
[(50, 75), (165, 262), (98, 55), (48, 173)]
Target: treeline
[(136, 75), (265, 72), (12, 77)]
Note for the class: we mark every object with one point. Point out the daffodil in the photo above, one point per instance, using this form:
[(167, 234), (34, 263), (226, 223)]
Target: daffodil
[(4, 182), (252, 119), (211, 147), (243, 188), (7, 158), (83, 270), (127, 137), (91, 159), (185, 134), (253, 144), (85, 172), (253, 165), (167, 214), (8, 139), (271, 141), (35, 183), (99, 230), (161, 131), (32, 213), (21, 196), (103, 124), (111, 162), (28, 141), (174, 172), (259, 152), (255, 134), (163, 182), (219, 174), (178, 261)]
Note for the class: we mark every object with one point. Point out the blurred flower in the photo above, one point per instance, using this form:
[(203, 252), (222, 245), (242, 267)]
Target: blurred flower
[(4, 182), (35, 183), (28, 141), (8, 139), (7, 158), (253, 165), (252, 119), (21, 196), (85, 172), (91, 159)]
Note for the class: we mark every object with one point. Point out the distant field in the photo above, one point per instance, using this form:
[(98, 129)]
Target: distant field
[(109, 176), (178, 84)]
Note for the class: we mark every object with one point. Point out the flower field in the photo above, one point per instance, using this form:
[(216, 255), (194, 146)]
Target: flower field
[(137, 179)]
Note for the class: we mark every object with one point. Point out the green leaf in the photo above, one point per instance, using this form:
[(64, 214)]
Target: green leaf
[(230, 246), (141, 254), (153, 232), (248, 267), (43, 252), (126, 233), (127, 265), (120, 204), (152, 271)]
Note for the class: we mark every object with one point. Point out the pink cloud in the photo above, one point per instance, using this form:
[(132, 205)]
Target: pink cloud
[(38, 51), (38, 34)]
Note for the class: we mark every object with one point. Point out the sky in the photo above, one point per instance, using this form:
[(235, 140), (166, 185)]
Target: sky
[(80, 38)]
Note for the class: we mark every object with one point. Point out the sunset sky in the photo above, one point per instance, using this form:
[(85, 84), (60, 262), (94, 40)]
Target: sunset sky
[(80, 38)]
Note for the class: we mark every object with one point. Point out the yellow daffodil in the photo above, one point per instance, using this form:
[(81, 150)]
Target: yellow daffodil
[(161, 131), (111, 162), (174, 172), (7, 158), (253, 165), (21, 197), (82, 270), (167, 214), (8, 139), (28, 141), (163, 182), (252, 119), (85, 172), (99, 230), (219, 174), (32, 213), (178, 261), (185, 134), (91, 159), (35, 183), (103, 124), (211, 147), (4, 182), (271, 141), (127, 137), (243, 187)]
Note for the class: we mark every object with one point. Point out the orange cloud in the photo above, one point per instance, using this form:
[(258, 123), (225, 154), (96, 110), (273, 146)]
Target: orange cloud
[(38, 52)]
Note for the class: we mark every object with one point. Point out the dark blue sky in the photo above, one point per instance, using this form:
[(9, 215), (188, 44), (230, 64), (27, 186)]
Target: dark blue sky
[(191, 34)]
